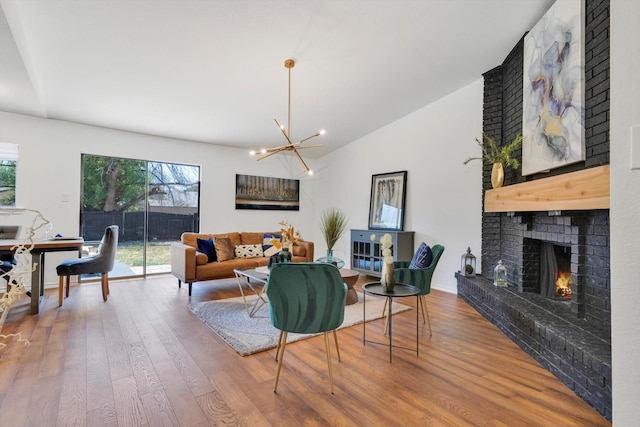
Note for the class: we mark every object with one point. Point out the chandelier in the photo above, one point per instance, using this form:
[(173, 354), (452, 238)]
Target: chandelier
[(289, 146)]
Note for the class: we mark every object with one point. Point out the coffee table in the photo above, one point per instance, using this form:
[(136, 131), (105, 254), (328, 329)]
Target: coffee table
[(245, 276)]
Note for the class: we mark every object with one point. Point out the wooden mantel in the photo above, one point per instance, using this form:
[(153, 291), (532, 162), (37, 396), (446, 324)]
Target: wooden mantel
[(582, 190)]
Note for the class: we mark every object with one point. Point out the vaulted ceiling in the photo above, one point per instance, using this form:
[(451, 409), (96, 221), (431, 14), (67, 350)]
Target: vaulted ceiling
[(213, 70)]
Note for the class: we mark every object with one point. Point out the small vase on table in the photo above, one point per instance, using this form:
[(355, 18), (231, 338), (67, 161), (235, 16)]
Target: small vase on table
[(285, 254), (387, 280)]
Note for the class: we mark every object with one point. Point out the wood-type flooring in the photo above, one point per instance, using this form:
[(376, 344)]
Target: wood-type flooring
[(143, 359)]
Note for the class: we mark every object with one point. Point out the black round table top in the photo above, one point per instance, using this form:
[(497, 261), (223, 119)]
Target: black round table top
[(399, 290)]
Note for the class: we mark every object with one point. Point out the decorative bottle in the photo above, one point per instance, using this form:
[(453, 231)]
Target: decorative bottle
[(285, 254)]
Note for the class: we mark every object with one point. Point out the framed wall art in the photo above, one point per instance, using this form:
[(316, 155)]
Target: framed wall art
[(553, 98), (267, 193), (386, 207)]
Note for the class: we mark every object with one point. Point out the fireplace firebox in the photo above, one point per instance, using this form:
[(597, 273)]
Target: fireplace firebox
[(550, 269)]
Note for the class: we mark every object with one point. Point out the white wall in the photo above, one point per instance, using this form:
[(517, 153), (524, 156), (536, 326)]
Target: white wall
[(49, 166), (443, 203), (443, 196), (625, 207)]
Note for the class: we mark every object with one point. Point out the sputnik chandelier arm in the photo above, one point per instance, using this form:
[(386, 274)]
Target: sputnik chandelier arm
[(289, 146)]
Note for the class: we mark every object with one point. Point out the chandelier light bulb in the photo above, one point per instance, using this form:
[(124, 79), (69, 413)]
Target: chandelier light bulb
[(252, 152), (264, 150), (310, 172), (322, 132)]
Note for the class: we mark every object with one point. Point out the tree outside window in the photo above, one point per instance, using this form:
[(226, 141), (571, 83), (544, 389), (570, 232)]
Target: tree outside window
[(8, 162)]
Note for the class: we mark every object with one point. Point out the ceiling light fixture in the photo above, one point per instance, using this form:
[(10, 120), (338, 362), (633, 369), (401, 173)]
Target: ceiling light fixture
[(289, 146)]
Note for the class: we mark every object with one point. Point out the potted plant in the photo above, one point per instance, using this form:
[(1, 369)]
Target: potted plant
[(498, 156), (333, 224)]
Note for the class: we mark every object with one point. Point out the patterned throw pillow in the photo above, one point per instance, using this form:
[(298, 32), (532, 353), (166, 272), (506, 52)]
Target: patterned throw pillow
[(224, 249), (206, 247), (267, 245), (422, 258), (248, 251)]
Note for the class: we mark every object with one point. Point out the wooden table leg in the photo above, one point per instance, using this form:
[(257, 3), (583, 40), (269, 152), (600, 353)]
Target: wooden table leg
[(34, 308)]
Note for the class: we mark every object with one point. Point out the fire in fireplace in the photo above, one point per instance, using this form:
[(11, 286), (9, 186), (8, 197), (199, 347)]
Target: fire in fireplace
[(555, 271), (563, 285)]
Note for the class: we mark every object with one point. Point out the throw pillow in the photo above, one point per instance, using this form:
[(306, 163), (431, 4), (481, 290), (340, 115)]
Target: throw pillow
[(206, 247), (248, 251), (224, 248), (422, 258), (271, 250), (267, 243)]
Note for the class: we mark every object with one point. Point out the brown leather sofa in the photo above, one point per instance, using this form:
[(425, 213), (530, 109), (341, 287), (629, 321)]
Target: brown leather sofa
[(190, 266)]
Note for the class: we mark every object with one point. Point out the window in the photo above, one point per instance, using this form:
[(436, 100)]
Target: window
[(152, 202), (8, 162)]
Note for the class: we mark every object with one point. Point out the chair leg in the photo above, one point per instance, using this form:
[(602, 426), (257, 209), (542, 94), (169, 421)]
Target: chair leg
[(281, 346), (335, 337), (425, 313), (190, 288), (179, 284), (68, 279), (326, 347), (105, 287), (60, 286), (278, 346)]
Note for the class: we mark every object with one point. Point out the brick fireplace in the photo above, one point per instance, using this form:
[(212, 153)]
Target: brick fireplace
[(584, 234), (570, 337)]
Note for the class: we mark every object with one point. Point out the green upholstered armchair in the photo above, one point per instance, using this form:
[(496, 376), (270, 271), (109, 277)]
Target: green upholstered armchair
[(306, 298), (420, 278)]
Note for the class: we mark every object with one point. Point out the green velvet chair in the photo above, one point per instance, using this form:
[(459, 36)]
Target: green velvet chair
[(306, 298), (420, 278)]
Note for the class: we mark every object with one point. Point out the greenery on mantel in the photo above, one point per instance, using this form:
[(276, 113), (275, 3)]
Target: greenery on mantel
[(333, 224), (494, 154)]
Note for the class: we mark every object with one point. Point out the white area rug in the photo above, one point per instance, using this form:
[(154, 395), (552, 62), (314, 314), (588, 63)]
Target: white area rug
[(247, 335)]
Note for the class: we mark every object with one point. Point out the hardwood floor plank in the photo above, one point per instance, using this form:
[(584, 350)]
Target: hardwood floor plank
[(129, 407), (158, 409), (15, 407), (43, 409), (216, 409), (72, 409), (99, 390), (143, 358), (53, 360), (118, 357)]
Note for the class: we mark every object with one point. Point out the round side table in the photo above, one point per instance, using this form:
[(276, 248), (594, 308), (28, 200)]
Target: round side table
[(400, 290), (350, 277)]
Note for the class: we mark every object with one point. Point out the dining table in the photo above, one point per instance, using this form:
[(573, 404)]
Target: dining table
[(40, 248)]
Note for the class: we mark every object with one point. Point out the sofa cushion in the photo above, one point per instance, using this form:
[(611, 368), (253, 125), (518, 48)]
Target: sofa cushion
[(201, 259), (251, 238), (224, 248), (298, 250), (206, 247), (422, 258), (248, 251), (234, 237)]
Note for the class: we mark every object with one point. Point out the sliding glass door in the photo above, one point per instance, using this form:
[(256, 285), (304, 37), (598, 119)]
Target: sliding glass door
[(153, 203)]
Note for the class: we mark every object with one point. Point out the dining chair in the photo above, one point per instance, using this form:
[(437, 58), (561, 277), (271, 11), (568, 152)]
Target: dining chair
[(306, 298), (102, 263)]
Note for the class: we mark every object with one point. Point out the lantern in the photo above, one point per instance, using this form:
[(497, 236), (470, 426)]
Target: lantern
[(500, 275), (468, 264)]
